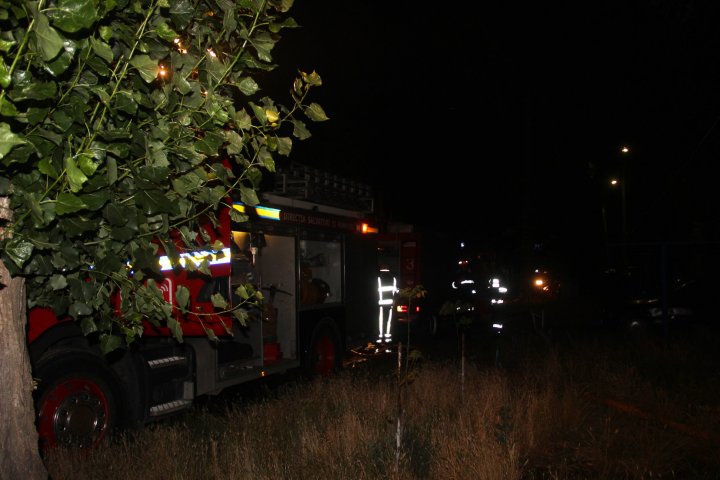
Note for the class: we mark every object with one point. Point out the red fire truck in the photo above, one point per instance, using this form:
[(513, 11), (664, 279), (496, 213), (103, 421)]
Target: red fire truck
[(316, 267), (417, 259)]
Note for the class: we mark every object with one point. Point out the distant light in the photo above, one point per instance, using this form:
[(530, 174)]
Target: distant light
[(614, 181), (366, 228), (624, 149)]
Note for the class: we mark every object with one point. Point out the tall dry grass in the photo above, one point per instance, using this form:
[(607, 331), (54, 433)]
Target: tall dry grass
[(547, 414)]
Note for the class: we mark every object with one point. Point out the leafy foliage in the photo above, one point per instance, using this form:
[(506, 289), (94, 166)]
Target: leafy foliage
[(124, 128)]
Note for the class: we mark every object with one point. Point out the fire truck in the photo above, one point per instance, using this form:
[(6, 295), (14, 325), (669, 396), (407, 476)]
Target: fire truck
[(315, 264), (417, 259)]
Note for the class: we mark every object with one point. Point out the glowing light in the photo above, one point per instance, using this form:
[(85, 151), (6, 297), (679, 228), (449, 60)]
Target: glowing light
[(180, 48), (365, 228), (213, 258), (162, 71), (267, 213)]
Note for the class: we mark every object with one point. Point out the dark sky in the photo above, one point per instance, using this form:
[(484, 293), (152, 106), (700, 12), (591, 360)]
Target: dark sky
[(510, 116)]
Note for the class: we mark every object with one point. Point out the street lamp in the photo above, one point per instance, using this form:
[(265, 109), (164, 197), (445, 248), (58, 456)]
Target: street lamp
[(624, 151)]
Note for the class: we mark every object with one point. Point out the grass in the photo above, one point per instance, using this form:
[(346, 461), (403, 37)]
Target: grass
[(571, 407)]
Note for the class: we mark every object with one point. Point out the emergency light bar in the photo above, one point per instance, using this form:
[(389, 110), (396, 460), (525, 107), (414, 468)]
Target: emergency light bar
[(267, 213)]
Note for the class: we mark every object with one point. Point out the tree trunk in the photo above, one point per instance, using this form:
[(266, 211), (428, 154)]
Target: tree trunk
[(19, 454)]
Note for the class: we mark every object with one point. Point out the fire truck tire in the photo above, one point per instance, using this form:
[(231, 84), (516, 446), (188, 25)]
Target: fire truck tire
[(75, 404), (324, 354)]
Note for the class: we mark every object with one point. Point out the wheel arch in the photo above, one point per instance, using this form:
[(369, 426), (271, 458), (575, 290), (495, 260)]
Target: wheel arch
[(325, 329)]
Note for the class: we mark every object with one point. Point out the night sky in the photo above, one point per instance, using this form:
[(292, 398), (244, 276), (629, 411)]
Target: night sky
[(510, 117)]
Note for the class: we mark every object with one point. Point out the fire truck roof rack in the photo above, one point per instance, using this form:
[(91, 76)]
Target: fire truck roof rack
[(284, 201), (302, 182)]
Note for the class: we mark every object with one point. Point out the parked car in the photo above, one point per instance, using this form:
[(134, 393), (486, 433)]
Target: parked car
[(687, 303)]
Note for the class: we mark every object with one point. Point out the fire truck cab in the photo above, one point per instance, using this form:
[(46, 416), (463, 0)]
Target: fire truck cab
[(315, 265)]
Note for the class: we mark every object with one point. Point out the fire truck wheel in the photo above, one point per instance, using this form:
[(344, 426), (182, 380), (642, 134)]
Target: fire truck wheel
[(324, 353), (75, 404)]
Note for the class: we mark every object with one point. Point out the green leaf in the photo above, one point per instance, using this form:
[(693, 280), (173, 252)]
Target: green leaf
[(120, 150), (210, 144), (181, 13), (218, 300), (284, 146), (99, 66), (211, 335), (242, 292), (248, 86), (165, 32), (175, 328), (62, 120), (78, 309), (57, 282), (76, 178), (87, 325), (68, 203), (156, 175), (59, 64), (248, 196), (18, 250), (300, 130), (6, 44), (316, 113), (8, 140), (36, 114), (109, 343), (312, 79), (75, 226), (146, 66), (182, 296), (86, 163), (241, 316), (35, 91), (111, 170), (46, 167), (187, 183), (102, 49), (116, 215), (182, 85), (73, 15), (125, 102), (7, 108), (49, 41), (95, 200)]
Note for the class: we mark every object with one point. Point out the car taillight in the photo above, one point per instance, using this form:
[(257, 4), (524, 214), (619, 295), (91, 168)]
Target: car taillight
[(404, 309)]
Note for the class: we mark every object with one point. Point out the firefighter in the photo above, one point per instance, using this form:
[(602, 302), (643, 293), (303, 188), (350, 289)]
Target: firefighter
[(387, 289)]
